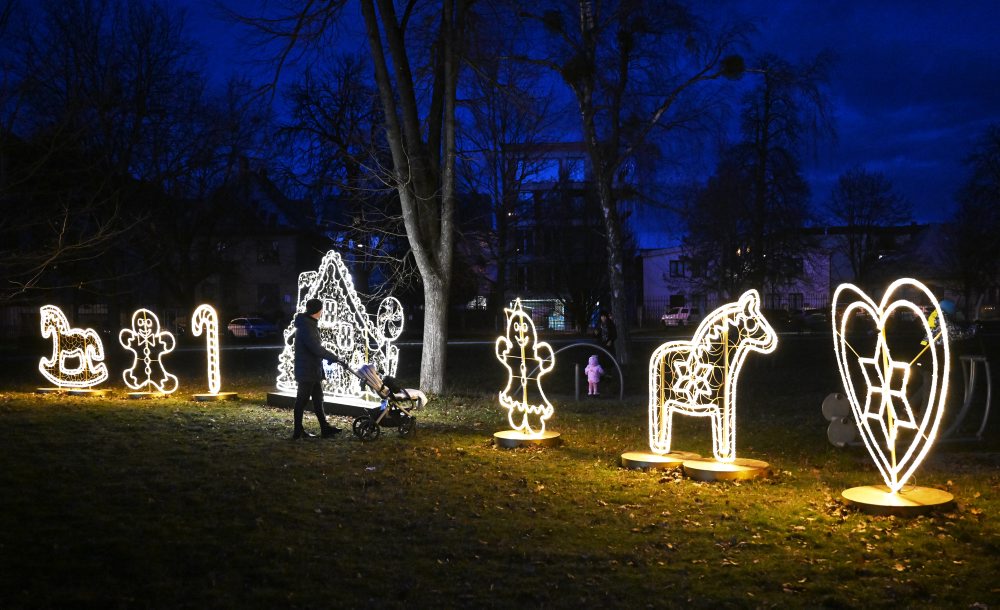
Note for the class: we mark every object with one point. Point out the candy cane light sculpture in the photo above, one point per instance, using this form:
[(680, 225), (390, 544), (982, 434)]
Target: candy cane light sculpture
[(206, 320)]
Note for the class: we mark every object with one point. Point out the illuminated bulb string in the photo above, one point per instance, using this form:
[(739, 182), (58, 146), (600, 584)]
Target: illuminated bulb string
[(148, 344), (520, 351), (698, 377), (205, 319), (886, 409), (346, 329), (77, 359)]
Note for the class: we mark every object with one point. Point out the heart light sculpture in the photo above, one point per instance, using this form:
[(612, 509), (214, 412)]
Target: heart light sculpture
[(897, 435)]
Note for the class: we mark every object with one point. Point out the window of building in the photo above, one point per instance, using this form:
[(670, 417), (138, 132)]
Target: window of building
[(573, 168), (795, 267), (267, 297), (267, 252), (677, 268)]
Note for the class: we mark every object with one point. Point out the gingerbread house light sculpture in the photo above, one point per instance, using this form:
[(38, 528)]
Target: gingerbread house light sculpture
[(346, 329)]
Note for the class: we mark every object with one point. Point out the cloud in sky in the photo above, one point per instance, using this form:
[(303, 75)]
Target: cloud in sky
[(915, 85)]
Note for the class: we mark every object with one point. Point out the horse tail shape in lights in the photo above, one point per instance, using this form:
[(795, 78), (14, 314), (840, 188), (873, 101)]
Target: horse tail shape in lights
[(524, 415), (204, 319), (77, 359), (698, 377)]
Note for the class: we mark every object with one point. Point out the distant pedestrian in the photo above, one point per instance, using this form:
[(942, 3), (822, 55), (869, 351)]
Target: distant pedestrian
[(594, 371), (607, 332), (309, 356)]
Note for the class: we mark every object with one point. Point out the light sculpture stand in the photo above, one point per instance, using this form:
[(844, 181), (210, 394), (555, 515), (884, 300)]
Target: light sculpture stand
[(346, 329), (77, 361), (206, 320), (148, 343), (897, 433), (698, 377), (523, 355)]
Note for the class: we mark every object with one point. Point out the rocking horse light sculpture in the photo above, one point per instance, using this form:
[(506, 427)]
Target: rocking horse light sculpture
[(526, 360), (77, 360), (698, 377), (897, 429)]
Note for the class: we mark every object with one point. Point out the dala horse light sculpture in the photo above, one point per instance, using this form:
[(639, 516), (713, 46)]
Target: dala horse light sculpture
[(698, 377)]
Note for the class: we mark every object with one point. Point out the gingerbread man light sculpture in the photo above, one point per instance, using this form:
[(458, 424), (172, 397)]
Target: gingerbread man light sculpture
[(148, 344), (526, 359)]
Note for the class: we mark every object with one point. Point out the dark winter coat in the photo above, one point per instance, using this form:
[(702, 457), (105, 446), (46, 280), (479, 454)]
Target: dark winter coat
[(309, 350)]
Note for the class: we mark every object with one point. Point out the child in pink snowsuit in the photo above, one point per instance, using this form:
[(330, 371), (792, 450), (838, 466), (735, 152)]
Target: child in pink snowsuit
[(593, 371)]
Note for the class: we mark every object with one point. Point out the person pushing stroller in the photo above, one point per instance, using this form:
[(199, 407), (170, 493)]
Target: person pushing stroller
[(309, 357)]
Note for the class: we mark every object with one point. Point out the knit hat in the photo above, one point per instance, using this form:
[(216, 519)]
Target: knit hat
[(313, 305)]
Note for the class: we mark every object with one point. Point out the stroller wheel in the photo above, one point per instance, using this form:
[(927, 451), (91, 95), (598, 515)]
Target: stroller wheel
[(407, 426), (365, 428)]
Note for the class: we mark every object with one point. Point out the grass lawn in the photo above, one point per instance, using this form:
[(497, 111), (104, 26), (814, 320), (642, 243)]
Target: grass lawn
[(114, 503)]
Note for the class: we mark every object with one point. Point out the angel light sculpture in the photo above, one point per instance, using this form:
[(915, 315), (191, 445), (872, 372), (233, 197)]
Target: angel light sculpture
[(77, 359), (526, 360), (897, 421), (699, 377)]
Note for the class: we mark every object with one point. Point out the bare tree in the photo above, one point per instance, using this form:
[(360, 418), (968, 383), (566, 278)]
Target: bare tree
[(745, 227), (97, 84), (862, 202), (631, 66), (976, 225), (337, 152), (509, 118), (418, 105)]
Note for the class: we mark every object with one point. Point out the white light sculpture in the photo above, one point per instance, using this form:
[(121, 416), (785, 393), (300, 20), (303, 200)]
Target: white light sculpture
[(77, 359), (897, 435), (205, 319), (148, 345), (346, 329), (698, 377), (517, 351)]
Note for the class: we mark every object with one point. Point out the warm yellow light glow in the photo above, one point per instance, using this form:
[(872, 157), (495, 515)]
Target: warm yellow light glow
[(698, 377), (204, 319), (886, 411), (77, 359), (148, 345), (529, 408), (346, 329)]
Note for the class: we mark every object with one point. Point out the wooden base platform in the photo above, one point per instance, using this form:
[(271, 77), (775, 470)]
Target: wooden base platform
[(215, 397), (342, 406), (647, 460), (741, 469), (909, 501), (509, 439)]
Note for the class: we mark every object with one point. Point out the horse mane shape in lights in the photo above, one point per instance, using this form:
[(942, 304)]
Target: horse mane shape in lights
[(77, 359), (517, 351), (698, 377), (148, 344), (205, 319), (897, 435), (346, 329)]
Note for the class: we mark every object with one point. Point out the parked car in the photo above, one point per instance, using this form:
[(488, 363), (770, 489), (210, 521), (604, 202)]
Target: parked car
[(681, 316), (251, 328), (813, 318)]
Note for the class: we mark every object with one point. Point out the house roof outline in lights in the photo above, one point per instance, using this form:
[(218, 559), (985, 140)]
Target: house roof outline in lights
[(346, 329)]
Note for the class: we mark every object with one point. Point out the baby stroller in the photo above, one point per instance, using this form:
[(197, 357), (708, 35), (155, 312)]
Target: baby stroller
[(393, 412)]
